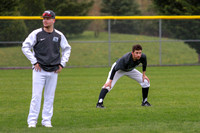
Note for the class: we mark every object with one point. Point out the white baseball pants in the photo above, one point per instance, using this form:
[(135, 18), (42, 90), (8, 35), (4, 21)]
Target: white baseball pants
[(134, 74), (40, 79)]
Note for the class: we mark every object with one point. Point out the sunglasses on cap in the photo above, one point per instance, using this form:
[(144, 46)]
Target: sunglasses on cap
[(46, 15)]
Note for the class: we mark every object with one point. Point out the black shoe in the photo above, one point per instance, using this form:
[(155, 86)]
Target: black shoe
[(146, 104), (100, 105)]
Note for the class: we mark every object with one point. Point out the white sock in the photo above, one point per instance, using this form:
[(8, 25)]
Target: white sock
[(145, 100), (100, 100)]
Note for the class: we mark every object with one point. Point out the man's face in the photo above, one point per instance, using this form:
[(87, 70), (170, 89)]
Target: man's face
[(136, 54), (48, 22)]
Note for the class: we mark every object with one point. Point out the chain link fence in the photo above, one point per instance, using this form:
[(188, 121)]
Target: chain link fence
[(100, 41)]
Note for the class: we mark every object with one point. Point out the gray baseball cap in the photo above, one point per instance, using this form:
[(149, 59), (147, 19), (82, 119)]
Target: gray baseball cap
[(48, 14)]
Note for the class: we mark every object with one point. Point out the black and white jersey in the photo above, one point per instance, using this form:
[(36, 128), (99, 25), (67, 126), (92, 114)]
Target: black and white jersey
[(126, 63), (46, 49)]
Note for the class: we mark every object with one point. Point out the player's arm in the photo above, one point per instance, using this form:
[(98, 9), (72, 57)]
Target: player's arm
[(112, 73), (109, 83), (144, 66), (27, 45), (119, 65), (144, 76), (66, 50)]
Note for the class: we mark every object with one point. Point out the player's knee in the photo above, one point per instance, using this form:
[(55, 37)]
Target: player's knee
[(145, 84), (36, 98), (107, 88)]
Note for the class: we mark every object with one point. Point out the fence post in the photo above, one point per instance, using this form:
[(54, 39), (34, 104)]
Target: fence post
[(109, 43), (160, 40)]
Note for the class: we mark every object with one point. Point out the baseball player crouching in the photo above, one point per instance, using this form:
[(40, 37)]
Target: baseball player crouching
[(47, 63), (126, 66)]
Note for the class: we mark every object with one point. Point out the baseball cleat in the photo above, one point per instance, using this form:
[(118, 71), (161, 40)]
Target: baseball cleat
[(31, 125), (100, 105), (146, 104), (47, 125)]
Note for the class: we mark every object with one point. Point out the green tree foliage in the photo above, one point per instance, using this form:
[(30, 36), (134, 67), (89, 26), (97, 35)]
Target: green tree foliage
[(177, 7), (11, 30), (122, 8), (7, 7), (32, 8), (180, 29), (70, 8), (36, 8)]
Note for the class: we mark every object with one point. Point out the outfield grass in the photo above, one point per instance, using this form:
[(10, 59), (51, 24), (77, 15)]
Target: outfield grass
[(96, 54), (174, 95)]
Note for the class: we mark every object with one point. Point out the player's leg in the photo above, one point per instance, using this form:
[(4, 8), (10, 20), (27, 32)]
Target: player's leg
[(49, 92), (137, 75), (105, 90), (37, 88)]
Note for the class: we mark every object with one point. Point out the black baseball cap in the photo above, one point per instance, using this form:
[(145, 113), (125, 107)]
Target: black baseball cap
[(48, 14)]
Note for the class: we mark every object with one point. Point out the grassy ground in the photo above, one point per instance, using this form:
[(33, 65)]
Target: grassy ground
[(96, 54), (174, 95)]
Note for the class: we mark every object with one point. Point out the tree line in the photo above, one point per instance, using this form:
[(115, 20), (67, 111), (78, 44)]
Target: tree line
[(18, 30), (178, 29)]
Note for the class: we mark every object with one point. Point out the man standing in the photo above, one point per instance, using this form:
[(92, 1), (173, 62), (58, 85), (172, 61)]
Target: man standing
[(126, 66), (47, 63)]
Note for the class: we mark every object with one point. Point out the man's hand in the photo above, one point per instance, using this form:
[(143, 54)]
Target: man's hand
[(59, 70), (145, 77), (37, 67), (108, 84)]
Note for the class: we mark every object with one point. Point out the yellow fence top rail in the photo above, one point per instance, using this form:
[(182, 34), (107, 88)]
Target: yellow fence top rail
[(98, 17)]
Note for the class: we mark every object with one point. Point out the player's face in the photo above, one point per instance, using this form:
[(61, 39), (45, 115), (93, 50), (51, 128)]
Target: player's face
[(136, 54), (48, 22)]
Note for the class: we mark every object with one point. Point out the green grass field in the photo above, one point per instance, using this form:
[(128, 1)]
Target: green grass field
[(174, 95)]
